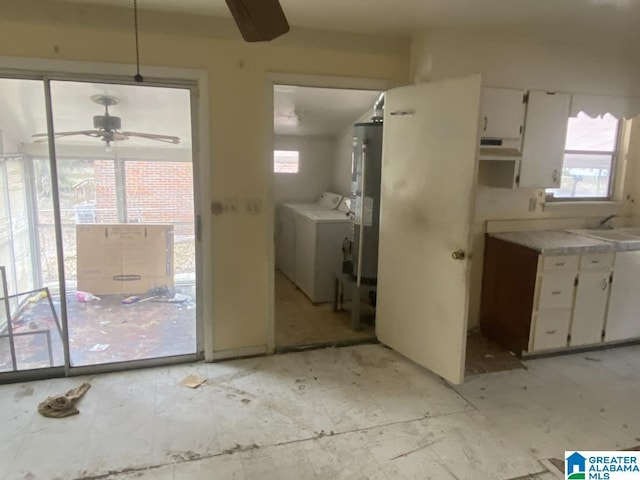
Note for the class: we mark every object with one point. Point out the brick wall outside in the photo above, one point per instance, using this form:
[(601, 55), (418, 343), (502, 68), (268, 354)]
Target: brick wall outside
[(160, 192), (156, 192), (106, 207)]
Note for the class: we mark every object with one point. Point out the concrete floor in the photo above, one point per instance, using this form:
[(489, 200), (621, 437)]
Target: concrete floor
[(350, 413)]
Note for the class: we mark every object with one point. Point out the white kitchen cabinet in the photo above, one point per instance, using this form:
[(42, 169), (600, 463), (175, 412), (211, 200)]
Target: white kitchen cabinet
[(502, 113), (552, 310), (551, 330), (623, 316), (592, 295), (544, 139)]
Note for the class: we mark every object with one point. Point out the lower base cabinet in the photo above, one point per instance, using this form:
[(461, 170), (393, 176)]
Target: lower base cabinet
[(533, 302)]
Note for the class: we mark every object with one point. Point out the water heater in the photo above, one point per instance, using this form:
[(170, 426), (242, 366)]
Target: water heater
[(366, 166)]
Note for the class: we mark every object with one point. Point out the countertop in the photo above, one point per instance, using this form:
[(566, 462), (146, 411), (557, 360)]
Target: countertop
[(558, 242)]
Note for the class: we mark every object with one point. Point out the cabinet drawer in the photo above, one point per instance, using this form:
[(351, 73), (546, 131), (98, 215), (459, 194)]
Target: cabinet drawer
[(556, 290), (596, 261), (560, 263), (551, 329)]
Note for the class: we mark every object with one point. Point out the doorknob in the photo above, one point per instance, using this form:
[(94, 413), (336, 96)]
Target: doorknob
[(458, 255)]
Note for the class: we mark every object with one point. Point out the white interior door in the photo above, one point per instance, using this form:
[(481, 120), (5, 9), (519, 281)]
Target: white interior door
[(429, 171)]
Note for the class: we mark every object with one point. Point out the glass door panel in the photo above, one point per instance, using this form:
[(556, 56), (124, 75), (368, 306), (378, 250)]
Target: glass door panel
[(30, 324), (125, 179)]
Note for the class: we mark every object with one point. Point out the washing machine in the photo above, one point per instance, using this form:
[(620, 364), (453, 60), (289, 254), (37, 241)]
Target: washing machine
[(318, 255), (288, 213)]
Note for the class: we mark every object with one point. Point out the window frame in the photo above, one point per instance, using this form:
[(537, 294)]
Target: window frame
[(277, 150), (615, 154)]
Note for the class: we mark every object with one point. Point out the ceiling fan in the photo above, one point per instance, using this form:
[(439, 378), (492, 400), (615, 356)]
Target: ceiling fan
[(107, 127), (259, 20)]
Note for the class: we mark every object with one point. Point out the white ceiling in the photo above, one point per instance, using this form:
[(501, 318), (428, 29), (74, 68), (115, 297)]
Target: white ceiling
[(593, 21), (318, 111)]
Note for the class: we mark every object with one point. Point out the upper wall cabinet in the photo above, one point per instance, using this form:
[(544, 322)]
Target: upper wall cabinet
[(502, 113), (544, 139)]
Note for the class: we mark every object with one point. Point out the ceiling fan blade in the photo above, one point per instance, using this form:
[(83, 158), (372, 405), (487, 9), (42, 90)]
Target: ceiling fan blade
[(43, 137), (259, 20), (153, 136)]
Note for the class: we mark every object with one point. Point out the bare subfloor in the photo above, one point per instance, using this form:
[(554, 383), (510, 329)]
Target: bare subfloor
[(300, 322), (356, 412)]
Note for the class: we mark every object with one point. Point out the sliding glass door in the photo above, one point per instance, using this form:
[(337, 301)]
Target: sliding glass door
[(31, 333), (98, 246)]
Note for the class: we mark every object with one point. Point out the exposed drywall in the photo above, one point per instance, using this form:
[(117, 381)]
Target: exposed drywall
[(523, 63), (315, 169), (239, 106)]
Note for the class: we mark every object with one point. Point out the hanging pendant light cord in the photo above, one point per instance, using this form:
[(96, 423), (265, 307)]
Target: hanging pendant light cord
[(138, 78)]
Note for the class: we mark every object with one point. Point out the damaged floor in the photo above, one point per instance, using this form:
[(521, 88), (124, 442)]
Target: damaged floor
[(352, 413), (104, 330), (300, 322)]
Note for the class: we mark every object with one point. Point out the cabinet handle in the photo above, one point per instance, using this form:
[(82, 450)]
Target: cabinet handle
[(559, 264), (595, 261), (486, 123), (551, 332), (556, 292), (554, 175)]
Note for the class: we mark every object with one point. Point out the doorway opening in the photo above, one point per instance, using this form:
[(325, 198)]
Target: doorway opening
[(313, 169), (99, 248)]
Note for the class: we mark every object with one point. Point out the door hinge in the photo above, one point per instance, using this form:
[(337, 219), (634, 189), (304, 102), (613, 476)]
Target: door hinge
[(569, 338), (199, 228), (520, 129), (575, 282), (603, 334), (517, 179), (611, 278), (525, 98)]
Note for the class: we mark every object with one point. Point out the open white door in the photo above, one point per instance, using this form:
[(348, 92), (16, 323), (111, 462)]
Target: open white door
[(429, 168)]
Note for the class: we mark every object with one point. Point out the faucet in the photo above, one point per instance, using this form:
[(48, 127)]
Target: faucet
[(602, 224)]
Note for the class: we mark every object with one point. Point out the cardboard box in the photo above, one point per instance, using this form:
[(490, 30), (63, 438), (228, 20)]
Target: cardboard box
[(130, 258)]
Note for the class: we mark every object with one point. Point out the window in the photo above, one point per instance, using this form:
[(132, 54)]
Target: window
[(589, 158), (286, 161)]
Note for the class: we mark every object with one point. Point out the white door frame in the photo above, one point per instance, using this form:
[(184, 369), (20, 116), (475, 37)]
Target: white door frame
[(297, 80)]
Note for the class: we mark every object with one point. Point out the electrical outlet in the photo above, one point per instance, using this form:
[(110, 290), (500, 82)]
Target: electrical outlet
[(533, 203)]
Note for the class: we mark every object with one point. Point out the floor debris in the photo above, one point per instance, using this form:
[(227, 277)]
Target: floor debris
[(61, 406), (193, 381)]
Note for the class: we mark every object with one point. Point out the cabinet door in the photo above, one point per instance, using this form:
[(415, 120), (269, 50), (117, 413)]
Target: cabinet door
[(551, 329), (502, 113), (556, 290), (623, 317), (590, 308), (544, 140)]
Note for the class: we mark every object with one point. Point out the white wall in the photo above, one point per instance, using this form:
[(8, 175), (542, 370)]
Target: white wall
[(315, 173), (523, 63)]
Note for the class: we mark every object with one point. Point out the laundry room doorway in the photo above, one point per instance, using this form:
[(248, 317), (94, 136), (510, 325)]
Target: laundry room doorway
[(314, 216)]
